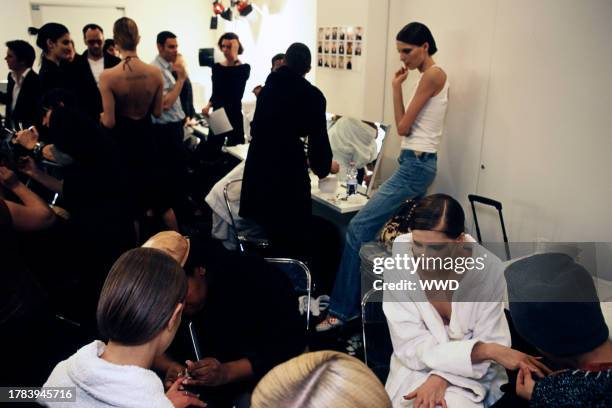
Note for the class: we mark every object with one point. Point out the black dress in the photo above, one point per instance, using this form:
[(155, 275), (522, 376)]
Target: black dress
[(228, 88), (140, 163)]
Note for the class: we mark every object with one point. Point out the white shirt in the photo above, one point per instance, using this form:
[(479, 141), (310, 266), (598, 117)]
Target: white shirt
[(18, 83), (96, 66), (426, 131)]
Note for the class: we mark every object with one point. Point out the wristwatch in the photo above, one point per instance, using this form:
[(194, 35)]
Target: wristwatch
[(37, 151)]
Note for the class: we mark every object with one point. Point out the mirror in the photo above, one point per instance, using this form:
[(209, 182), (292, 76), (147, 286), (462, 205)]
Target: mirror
[(356, 140)]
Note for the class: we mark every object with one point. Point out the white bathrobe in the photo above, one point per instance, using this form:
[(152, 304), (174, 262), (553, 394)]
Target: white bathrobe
[(102, 384), (423, 345)]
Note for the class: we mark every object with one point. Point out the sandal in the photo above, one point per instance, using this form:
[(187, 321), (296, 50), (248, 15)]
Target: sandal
[(329, 323)]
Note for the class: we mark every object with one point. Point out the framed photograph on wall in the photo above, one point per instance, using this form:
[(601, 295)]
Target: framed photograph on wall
[(340, 47)]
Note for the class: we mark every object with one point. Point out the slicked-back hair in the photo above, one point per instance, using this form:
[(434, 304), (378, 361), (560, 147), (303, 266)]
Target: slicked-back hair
[(49, 31), (439, 212), (139, 296), (125, 34), (320, 379), (417, 34)]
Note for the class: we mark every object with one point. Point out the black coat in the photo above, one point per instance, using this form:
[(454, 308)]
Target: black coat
[(84, 86), (275, 182), (26, 108), (53, 76)]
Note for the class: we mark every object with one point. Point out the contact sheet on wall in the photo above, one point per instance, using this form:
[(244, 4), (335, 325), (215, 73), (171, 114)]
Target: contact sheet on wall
[(340, 47)]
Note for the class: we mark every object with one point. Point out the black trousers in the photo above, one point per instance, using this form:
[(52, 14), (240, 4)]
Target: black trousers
[(312, 240)]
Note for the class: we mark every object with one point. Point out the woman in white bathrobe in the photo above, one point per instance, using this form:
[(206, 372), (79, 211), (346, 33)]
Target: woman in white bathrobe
[(449, 347), (139, 312)]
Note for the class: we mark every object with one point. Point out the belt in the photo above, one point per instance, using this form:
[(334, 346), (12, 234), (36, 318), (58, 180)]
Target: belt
[(419, 155)]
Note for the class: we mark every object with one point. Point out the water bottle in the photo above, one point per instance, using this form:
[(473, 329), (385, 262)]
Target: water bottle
[(351, 179)]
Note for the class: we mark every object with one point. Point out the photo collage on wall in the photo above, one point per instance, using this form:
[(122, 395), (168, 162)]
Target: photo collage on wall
[(340, 48)]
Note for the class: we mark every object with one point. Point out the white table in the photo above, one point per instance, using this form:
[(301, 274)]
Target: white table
[(334, 200)]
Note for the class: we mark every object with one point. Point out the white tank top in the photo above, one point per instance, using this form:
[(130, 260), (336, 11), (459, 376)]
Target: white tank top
[(426, 131)]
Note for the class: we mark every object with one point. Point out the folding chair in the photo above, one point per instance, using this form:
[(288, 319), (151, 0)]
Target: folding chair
[(299, 276), (377, 346), (231, 193)]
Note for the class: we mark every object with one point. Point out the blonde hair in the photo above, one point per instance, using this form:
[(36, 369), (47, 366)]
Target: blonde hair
[(319, 380), (125, 34)]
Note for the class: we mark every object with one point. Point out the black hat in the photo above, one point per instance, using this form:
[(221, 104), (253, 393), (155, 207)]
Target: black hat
[(554, 304)]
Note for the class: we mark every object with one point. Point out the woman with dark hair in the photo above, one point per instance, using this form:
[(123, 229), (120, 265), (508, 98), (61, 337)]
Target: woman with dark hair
[(131, 92), (139, 311), (450, 340), (229, 79), (54, 41), (420, 126)]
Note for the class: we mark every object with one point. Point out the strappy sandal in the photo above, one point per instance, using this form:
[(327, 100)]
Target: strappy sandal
[(329, 323)]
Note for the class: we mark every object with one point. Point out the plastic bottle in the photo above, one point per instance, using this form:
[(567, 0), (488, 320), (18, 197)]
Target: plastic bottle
[(351, 179)]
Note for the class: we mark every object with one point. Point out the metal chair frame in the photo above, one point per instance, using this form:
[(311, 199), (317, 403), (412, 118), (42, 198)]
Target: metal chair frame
[(304, 268)]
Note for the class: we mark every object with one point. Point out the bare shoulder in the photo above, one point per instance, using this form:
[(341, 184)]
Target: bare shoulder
[(108, 74), (435, 77)]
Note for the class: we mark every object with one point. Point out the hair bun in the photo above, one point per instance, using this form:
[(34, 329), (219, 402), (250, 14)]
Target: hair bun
[(33, 30)]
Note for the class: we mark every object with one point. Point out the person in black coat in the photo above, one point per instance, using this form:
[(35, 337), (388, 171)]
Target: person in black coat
[(22, 111), (244, 313), (276, 186), (289, 108), (86, 69)]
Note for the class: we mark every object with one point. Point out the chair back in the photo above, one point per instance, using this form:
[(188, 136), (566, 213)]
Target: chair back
[(377, 346), (299, 276)]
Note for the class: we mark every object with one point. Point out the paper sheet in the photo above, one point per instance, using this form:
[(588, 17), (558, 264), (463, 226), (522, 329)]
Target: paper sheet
[(219, 122)]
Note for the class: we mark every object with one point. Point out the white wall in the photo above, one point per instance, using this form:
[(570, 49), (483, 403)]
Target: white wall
[(270, 29), (280, 23), (359, 94), (529, 98)]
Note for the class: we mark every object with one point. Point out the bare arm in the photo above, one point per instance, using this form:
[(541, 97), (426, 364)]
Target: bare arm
[(29, 168), (431, 83), (34, 214), (108, 101), (509, 358), (238, 370)]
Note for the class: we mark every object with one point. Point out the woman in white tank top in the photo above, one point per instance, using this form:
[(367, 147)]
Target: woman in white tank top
[(420, 126)]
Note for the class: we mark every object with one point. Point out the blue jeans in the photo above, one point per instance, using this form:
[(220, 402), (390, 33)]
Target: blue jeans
[(410, 181)]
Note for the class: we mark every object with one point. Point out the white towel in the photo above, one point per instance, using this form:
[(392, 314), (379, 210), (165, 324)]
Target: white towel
[(102, 384)]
